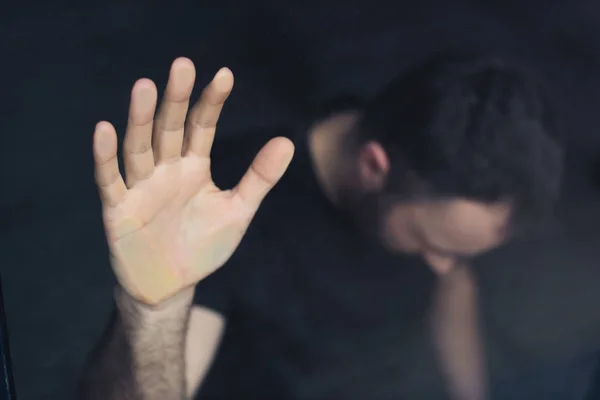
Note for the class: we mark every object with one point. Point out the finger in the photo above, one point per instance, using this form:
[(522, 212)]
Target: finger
[(137, 146), (170, 122), (202, 122), (268, 167), (110, 183)]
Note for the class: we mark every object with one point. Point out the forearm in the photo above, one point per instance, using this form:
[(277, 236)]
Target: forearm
[(458, 336), (142, 355)]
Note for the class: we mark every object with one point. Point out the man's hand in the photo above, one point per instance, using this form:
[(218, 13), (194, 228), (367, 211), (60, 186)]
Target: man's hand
[(168, 226)]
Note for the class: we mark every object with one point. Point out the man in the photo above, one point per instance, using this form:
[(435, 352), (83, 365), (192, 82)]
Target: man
[(324, 293)]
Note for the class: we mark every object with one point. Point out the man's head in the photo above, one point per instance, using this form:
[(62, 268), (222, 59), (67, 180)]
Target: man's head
[(454, 156)]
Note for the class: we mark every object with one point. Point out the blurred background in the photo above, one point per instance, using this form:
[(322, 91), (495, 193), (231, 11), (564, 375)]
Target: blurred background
[(67, 65)]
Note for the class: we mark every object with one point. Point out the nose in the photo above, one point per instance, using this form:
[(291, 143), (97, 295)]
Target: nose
[(439, 264)]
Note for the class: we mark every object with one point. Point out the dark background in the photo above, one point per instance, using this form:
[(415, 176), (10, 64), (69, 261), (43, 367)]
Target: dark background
[(67, 65)]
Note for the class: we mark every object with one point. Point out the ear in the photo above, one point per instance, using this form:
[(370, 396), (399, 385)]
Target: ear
[(373, 166)]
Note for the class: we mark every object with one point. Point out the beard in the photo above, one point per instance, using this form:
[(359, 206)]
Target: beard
[(371, 214), (368, 211)]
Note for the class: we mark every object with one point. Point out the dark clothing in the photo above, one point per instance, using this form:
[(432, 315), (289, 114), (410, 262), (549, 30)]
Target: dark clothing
[(314, 309), (565, 381)]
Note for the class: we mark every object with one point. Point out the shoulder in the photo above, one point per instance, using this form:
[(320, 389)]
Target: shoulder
[(540, 291)]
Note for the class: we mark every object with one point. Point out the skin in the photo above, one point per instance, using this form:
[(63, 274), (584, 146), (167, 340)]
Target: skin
[(167, 224)]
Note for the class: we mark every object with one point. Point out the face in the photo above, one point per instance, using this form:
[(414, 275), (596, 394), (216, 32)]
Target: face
[(444, 232)]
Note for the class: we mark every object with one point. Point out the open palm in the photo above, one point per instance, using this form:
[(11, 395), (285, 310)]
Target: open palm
[(168, 226)]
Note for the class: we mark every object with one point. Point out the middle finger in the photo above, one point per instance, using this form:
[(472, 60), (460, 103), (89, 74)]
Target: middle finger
[(170, 122)]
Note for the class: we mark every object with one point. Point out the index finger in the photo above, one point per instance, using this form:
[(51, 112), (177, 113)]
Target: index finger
[(202, 122)]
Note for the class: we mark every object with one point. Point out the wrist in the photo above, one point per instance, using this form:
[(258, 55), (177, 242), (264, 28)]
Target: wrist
[(181, 300)]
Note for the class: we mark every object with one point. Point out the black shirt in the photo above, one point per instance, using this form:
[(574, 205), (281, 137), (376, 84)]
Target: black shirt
[(314, 309)]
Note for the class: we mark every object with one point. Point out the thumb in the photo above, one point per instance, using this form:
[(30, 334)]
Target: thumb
[(268, 167)]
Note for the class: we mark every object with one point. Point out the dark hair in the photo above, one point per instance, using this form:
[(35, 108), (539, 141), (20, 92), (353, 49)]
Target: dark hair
[(470, 126)]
